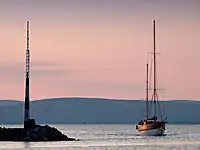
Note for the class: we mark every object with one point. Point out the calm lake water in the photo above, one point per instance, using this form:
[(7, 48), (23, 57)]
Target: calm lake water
[(116, 137)]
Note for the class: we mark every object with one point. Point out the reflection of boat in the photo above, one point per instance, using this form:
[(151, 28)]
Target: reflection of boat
[(152, 126)]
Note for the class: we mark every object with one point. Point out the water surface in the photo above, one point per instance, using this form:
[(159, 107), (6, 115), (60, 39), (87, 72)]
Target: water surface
[(116, 137)]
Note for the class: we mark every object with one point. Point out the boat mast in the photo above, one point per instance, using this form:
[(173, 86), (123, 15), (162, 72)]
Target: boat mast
[(154, 58), (147, 92), (27, 97)]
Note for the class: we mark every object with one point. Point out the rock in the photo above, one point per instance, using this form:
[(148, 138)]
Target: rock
[(38, 133)]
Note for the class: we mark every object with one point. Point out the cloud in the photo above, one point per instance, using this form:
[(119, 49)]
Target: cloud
[(83, 86), (46, 64), (49, 79), (15, 72)]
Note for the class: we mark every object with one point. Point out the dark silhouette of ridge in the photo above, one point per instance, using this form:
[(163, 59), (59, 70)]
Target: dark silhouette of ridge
[(96, 111)]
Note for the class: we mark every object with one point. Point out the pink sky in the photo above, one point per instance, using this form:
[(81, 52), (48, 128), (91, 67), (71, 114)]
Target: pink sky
[(99, 48)]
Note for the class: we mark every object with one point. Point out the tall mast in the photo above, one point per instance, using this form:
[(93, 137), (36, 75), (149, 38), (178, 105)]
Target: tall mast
[(154, 66), (27, 98), (147, 92)]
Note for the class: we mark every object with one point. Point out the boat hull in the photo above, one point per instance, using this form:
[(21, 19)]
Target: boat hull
[(153, 129), (152, 132)]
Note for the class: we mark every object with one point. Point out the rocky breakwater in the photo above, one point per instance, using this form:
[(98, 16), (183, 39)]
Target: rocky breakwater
[(37, 133)]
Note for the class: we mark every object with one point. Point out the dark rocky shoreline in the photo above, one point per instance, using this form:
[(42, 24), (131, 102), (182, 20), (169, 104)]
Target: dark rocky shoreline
[(36, 134)]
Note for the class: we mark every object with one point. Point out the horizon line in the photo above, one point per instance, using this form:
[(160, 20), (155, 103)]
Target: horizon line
[(100, 98)]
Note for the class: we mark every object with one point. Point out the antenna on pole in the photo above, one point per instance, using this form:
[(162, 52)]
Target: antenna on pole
[(27, 51), (27, 93), (28, 123)]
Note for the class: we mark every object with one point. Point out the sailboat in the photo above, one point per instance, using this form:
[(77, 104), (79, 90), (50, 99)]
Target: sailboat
[(152, 125)]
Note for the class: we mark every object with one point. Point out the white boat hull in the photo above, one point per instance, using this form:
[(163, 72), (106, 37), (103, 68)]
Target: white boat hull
[(153, 132)]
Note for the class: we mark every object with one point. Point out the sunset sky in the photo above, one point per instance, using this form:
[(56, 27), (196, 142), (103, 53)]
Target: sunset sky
[(99, 48)]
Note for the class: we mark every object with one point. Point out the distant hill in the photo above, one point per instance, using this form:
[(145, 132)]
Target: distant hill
[(94, 110)]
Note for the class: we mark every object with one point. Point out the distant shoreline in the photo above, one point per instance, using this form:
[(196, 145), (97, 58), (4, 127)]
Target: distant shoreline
[(96, 111)]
